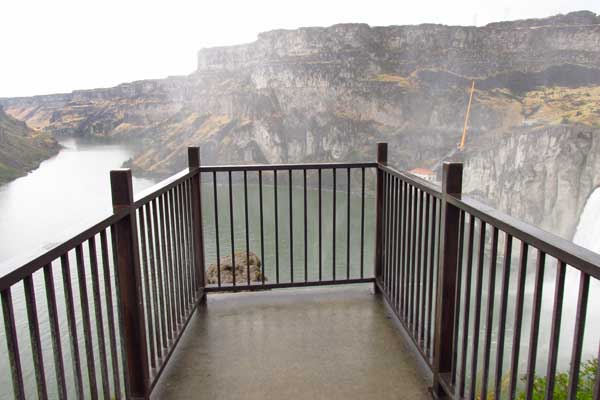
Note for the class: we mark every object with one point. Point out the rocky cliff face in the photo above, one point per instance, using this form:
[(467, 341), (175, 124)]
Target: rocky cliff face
[(543, 174), (21, 148), (331, 93)]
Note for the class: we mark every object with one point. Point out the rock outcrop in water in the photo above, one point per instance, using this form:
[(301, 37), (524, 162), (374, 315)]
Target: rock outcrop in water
[(243, 267), (330, 93), (21, 148)]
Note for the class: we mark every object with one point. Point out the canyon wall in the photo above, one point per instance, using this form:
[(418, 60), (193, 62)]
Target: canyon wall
[(329, 94)]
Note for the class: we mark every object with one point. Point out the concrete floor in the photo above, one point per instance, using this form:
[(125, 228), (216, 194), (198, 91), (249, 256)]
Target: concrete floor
[(318, 343)]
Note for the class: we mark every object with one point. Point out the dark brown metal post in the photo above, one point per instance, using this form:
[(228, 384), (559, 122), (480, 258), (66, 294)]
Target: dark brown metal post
[(382, 150), (448, 267), (130, 285), (198, 234)]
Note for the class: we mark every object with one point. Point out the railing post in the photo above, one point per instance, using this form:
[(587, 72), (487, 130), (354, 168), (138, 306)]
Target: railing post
[(382, 152), (130, 287), (198, 239), (447, 273)]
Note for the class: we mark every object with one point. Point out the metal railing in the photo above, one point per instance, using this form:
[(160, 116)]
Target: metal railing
[(429, 243), (433, 254), (145, 265), (288, 212)]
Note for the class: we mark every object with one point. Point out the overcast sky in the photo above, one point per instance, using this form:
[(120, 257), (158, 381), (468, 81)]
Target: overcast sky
[(62, 45)]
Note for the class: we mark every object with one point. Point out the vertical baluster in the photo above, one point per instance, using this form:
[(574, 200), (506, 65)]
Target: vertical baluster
[(216, 204), (195, 241), (399, 191), (409, 257), (385, 229), (72, 326), (98, 314), (348, 225), (559, 290), (334, 225), (34, 336), (85, 317), (160, 270), (381, 161), (179, 234), (183, 255), (419, 266), (12, 344), (466, 308), (246, 228), (191, 265), (291, 210), (173, 246), (181, 240), (262, 233), (393, 238), (146, 278), (502, 317), (153, 279), (395, 264), (59, 368), (426, 212), (362, 223), (491, 292), (458, 296), (413, 261), (403, 249), (276, 227), (305, 229), (108, 297), (231, 230), (581, 314), (535, 322), (120, 318), (477, 313), (516, 347), (432, 270), (188, 280), (389, 224), (168, 263), (320, 231)]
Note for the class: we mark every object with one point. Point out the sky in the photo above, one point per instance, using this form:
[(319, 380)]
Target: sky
[(62, 45)]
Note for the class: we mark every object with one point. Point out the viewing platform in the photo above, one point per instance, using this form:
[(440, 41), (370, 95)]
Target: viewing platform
[(313, 343), (344, 281)]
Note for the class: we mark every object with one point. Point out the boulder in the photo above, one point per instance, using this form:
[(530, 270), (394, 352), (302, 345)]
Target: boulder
[(241, 269)]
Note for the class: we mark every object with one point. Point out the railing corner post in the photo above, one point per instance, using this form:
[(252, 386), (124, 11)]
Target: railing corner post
[(382, 159), (130, 287), (447, 277), (198, 233)]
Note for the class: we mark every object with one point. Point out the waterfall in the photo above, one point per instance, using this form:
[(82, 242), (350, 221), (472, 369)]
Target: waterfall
[(587, 235), (588, 229)]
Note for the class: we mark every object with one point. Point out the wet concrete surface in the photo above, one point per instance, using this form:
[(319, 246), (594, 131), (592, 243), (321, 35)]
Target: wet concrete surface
[(317, 343)]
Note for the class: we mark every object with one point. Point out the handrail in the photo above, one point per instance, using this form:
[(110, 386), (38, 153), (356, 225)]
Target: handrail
[(163, 186), (421, 184), (285, 167), (38, 261)]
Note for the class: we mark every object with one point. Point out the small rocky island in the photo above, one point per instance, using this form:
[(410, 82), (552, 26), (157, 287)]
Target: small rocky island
[(241, 269)]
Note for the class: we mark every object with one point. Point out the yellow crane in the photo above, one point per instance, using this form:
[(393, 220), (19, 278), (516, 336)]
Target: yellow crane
[(461, 146)]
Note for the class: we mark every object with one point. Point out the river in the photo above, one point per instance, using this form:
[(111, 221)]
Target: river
[(65, 194)]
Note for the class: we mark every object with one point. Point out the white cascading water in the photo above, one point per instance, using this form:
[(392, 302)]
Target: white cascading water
[(587, 235), (588, 229)]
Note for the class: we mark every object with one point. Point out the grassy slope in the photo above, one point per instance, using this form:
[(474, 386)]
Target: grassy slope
[(21, 148)]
